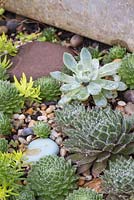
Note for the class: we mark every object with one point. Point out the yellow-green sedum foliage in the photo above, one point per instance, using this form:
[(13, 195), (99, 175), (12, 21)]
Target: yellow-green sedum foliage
[(3, 145), (10, 174), (118, 180), (7, 46), (5, 124), (89, 79), (27, 89), (84, 194), (52, 178)]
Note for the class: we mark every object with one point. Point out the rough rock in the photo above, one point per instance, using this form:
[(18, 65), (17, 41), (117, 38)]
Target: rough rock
[(110, 22), (38, 59), (129, 96)]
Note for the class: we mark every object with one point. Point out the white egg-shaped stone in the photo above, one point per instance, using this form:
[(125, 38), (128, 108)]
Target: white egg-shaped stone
[(40, 148)]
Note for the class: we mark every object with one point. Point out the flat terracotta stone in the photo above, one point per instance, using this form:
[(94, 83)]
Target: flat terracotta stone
[(38, 59)]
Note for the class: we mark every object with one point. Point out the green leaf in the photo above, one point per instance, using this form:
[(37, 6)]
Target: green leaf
[(69, 87), (85, 57), (122, 86), (100, 100), (62, 77), (109, 69), (82, 94), (109, 85), (93, 88), (69, 62)]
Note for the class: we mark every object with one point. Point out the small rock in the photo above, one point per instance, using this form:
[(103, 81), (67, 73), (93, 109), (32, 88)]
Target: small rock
[(50, 109), (122, 103), (59, 140), (20, 132), (12, 25), (16, 116), (22, 140), (129, 96), (81, 181), (22, 116), (42, 118), (54, 134), (129, 108), (43, 107), (50, 116), (29, 138), (63, 152), (3, 29), (29, 111), (18, 123), (76, 41), (28, 119), (31, 124), (27, 131)]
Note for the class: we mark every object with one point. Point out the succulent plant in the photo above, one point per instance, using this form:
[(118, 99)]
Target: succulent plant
[(116, 52), (118, 180), (10, 101), (3, 145), (84, 194), (95, 135), (7, 46), (5, 62), (126, 70), (49, 88), (89, 79), (48, 34), (10, 174), (42, 129), (3, 74), (5, 124), (27, 89), (52, 178), (26, 194)]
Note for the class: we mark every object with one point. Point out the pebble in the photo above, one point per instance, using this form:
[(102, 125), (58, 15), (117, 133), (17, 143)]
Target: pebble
[(59, 140), (28, 119), (12, 25), (50, 109), (76, 41), (121, 103), (3, 29), (129, 108), (50, 116), (129, 96), (81, 181), (31, 123), (22, 116), (20, 132), (16, 116), (29, 111), (29, 138), (54, 133), (18, 123), (22, 140), (27, 131), (43, 107), (42, 118), (63, 152)]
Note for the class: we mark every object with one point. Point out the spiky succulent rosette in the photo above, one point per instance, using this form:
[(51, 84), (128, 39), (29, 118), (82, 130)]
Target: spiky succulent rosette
[(126, 70), (49, 88), (3, 145), (52, 178), (25, 194), (95, 135), (89, 79), (118, 180), (42, 129), (10, 101), (84, 194), (5, 124)]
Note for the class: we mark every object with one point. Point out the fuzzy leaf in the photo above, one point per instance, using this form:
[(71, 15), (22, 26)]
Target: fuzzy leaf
[(100, 100), (70, 86), (109, 69), (62, 77), (85, 58), (93, 88), (69, 62)]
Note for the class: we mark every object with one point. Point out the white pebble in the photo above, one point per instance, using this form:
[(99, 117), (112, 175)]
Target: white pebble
[(22, 116), (121, 103), (16, 116), (42, 118)]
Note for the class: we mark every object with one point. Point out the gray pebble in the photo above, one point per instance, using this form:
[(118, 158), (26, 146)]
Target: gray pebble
[(27, 132), (129, 96), (59, 140)]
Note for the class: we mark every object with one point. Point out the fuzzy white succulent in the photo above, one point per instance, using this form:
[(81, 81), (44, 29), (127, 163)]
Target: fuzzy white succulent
[(89, 79)]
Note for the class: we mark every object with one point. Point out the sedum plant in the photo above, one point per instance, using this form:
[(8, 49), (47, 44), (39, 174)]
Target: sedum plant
[(5, 124), (10, 174), (116, 52), (5, 62), (3, 74), (27, 89), (84, 194), (95, 136), (3, 145), (10, 101), (48, 34), (52, 178), (49, 88), (25, 194), (24, 38), (42, 129), (118, 180), (126, 70), (88, 79), (7, 46)]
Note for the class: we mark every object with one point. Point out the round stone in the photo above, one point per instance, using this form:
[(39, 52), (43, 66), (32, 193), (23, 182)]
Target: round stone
[(27, 132), (40, 148)]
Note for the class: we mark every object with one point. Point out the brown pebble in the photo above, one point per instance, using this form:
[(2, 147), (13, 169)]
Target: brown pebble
[(50, 116), (63, 152), (59, 140), (31, 123), (76, 41), (81, 181), (120, 108), (50, 109), (22, 140), (43, 107), (29, 111), (3, 29)]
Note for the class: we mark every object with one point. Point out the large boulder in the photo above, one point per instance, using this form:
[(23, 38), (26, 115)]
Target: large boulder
[(110, 22)]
